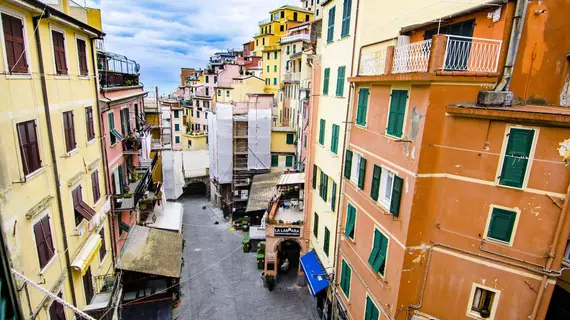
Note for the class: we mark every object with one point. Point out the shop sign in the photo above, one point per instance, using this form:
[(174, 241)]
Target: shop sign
[(287, 231)]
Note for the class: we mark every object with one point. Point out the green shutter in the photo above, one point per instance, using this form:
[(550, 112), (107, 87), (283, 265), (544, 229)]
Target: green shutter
[(315, 177), (123, 127), (345, 279), (176, 127), (330, 30), (396, 196), (350, 221), (347, 164), (121, 179), (377, 257), (326, 81), (333, 196), (322, 132), (274, 160), (325, 186), (362, 172), (334, 138), (289, 161), (397, 112), (111, 121), (340, 81), (501, 224), (361, 111), (177, 139), (346, 18), (316, 225), (515, 161), (327, 240), (372, 312), (375, 186), (290, 138)]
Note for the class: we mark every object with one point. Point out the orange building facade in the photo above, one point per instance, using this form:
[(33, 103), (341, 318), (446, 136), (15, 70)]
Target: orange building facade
[(455, 207)]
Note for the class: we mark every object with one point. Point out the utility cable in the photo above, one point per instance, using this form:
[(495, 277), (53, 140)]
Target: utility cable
[(29, 40)]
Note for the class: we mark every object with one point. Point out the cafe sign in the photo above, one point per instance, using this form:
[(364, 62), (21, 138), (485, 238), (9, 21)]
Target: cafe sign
[(287, 231)]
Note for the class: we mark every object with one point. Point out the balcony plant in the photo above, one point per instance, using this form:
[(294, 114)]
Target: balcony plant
[(147, 203)]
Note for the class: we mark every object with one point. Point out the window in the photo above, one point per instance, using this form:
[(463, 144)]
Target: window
[(294, 48), (346, 18), (44, 241), (345, 275), (326, 81), (290, 138), (111, 125), (516, 158), (82, 54), (324, 186), (362, 108), (288, 53), (268, 55), (315, 169), (275, 55), (275, 68), (501, 225), (177, 139), (103, 249), (340, 81), (483, 302), (307, 18), (207, 79), (125, 122), (334, 138), (176, 127), (316, 225), (29, 150), (282, 28), (220, 91), (88, 286), (95, 186), (267, 81), (330, 29), (377, 259), (14, 43), (89, 123), (375, 185), (371, 312), (69, 131), (317, 13), (56, 310), (256, 42), (358, 164), (397, 113), (350, 221), (333, 196), (207, 93), (82, 210), (295, 16), (274, 160), (289, 161), (58, 40), (282, 14), (262, 41), (348, 164), (269, 28), (322, 132), (198, 114), (227, 95), (274, 81), (267, 68), (390, 189), (327, 241)]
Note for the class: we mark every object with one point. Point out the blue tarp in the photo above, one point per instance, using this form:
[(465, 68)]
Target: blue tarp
[(316, 276)]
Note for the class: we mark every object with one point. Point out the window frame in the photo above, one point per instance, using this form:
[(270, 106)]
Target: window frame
[(20, 153), (504, 151), (326, 81), (35, 221), (471, 313), (388, 240), (63, 115), (65, 46), (90, 123), (353, 238), (330, 24), (96, 186), (322, 131), (517, 213), (384, 175), (342, 277), (368, 297), (22, 17), (362, 125), (406, 110), (340, 81), (335, 138), (346, 17), (81, 75)]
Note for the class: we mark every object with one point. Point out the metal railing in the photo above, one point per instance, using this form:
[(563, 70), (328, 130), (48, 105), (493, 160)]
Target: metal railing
[(100, 44), (413, 57), (264, 21), (297, 37), (110, 79), (472, 54), (372, 63)]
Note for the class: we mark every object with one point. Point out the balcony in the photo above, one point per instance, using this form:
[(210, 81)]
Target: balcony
[(297, 37), (443, 54), (107, 290), (116, 70), (137, 188), (111, 79), (264, 21), (131, 145)]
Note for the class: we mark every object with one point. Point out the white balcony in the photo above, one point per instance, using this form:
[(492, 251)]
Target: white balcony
[(373, 63), (264, 21), (296, 37), (472, 54), (413, 57)]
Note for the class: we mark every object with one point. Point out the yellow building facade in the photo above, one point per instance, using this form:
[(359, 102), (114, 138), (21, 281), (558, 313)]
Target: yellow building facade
[(283, 148), (53, 198)]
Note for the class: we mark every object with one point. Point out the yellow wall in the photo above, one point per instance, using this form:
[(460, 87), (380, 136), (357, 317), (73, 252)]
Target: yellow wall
[(279, 142), (242, 87), (274, 74), (199, 142), (223, 95)]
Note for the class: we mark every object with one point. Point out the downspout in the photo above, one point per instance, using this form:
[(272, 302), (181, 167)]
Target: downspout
[(345, 140), (516, 34), (36, 21), (103, 140)]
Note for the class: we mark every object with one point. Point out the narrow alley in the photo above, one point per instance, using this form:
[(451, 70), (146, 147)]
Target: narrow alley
[(219, 281)]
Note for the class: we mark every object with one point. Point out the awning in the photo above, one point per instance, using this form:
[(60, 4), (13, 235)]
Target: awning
[(86, 254), (314, 272)]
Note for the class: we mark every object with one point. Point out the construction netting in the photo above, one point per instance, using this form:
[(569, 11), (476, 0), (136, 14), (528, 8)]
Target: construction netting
[(259, 139), (224, 132)]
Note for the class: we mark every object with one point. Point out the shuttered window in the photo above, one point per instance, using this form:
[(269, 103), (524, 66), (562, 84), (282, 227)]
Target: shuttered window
[(501, 224), (350, 221), (322, 132), (69, 130), (333, 196), (397, 112), (324, 186), (315, 169), (274, 160), (372, 312), (103, 249), (89, 123), (375, 185), (345, 276), (330, 29), (515, 161), (362, 108), (346, 8), (96, 186), (326, 79), (44, 241), (29, 150), (82, 210), (326, 243), (58, 41), (334, 138), (176, 127), (361, 172), (377, 259), (347, 164), (56, 310), (290, 138), (82, 53), (316, 225), (125, 124), (396, 196), (14, 43), (111, 125), (340, 81), (289, 161)]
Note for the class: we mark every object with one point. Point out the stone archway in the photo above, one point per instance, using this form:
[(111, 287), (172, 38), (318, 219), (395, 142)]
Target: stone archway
[(288, 251)]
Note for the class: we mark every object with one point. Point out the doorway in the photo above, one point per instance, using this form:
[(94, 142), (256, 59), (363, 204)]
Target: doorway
[(288, 254)]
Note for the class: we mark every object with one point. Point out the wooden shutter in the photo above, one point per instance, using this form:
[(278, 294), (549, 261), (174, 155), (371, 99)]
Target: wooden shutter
[(340, 81), (346, 18), (350, 221), (362, 172), (330, 31), (103, 249), (375, 185), (14, 44), (516, 157), (82, 53), (95, 185), (48, 237), (333, 196), (29, 149), (316, 225), (501, 224), (361, 111), (69, 129), (396, 195), (326, 81), (397, 112), (347, 164), (40, 244), (314, 177), (59, 52), (89, 123)]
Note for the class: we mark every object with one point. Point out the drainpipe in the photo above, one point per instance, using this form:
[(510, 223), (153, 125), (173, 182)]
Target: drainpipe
[(103, 140), (516, 34), (345, 140), (36, 21), (552, 254)]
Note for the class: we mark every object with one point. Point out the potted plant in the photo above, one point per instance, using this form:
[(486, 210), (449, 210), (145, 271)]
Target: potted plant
[(147, 203), (260, 260), (245, 243)]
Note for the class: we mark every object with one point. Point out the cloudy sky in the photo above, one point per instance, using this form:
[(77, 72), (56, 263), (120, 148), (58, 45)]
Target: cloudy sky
[(164, 36)]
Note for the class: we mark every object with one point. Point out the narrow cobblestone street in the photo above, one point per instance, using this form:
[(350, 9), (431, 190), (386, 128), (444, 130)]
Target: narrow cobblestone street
[(219, 281)]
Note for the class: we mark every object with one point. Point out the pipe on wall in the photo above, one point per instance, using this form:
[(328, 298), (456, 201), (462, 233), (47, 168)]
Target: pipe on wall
[(36, 21)]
